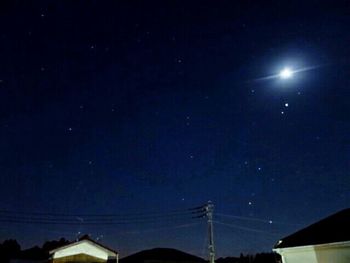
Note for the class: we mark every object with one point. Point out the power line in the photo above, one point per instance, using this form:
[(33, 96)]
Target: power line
[(81, 223), (98, 219), (162, 228), (193, 210), (245, 228), (256, 219)]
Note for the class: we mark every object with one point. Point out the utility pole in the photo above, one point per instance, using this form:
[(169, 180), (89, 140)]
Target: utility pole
[(209, 208)]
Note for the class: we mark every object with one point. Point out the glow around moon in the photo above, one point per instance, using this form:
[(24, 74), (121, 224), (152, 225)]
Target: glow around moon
[(286, 73)]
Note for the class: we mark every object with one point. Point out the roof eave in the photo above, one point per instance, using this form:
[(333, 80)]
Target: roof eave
[(307, 247), (81, 241)]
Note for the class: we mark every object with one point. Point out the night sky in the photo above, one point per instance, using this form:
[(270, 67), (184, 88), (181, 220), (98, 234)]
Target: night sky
[(117, 107)]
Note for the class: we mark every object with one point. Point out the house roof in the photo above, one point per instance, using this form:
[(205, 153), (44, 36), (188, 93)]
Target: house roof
[(334, 228), (85, 238)]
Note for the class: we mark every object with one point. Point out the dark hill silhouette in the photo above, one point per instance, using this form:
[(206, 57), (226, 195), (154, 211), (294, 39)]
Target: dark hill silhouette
[(168, 255), (161, 254)]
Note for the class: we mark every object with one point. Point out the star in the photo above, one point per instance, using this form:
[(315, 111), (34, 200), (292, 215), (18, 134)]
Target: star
[(286, 104)]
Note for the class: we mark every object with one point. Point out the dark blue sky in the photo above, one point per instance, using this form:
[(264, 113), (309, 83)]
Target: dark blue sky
[(131, 106)]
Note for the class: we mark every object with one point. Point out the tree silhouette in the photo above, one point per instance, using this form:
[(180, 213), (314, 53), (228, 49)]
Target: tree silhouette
[(9, 249), (51, 245)]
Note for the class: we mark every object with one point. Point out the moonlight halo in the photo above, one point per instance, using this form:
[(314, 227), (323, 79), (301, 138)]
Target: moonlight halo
[(286, 73)]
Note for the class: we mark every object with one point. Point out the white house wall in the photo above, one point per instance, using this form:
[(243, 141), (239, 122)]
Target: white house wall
[(314, 254), (82, 248)]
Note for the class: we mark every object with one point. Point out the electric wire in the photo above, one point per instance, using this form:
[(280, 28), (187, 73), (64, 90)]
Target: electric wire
[(162, 228), (81, 223), (245, 228), (97, 219), (255, 219), (192, 210)]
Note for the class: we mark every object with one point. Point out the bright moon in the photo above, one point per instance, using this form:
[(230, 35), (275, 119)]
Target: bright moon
[(286, 73)]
